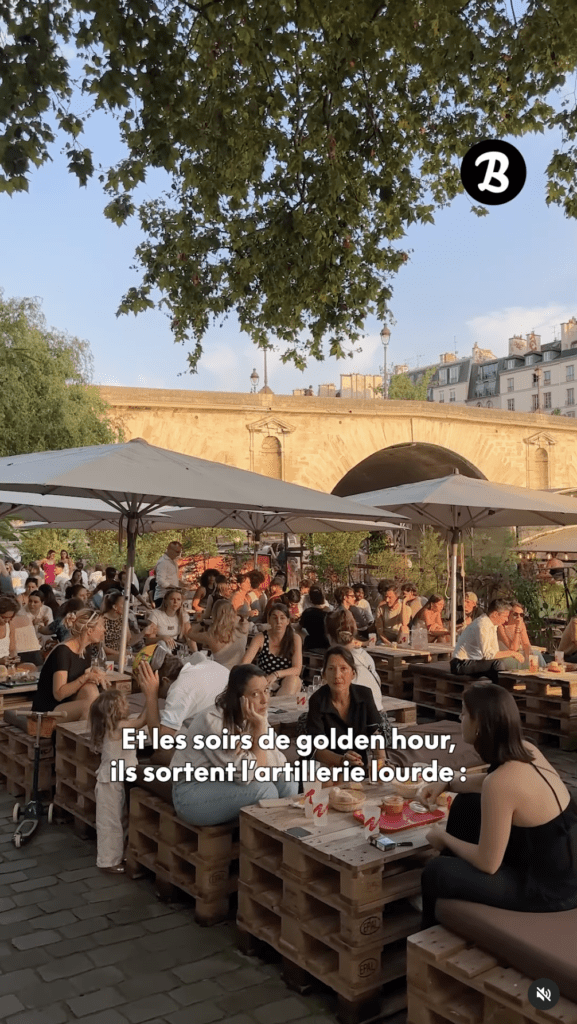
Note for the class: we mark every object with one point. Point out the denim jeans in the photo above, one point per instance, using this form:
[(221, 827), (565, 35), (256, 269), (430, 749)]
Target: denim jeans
[(214, 803)]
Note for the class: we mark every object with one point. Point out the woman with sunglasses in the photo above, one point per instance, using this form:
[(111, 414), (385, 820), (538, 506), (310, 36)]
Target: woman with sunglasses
[(513, 636), (67, 681)]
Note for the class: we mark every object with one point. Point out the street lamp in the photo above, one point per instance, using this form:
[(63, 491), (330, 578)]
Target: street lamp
[(254, 379), (385, 338)]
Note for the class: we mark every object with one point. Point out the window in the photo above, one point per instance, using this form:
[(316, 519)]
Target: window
[(451, 396), (547, 376), (571, 414), (511, 364), (570, 372), (547, 400), (510, 383), (454, 375), (535, 404), (570, 396), (511, 404), (442, 376), (441, 396), (529, 360), (548, 356)]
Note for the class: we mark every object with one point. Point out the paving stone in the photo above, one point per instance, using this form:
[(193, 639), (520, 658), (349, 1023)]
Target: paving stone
[(94, 910), (203, 1014), (102, 999), (111, 954), (8, 931), (254, 997), (34, 883), (64, 901), (14, 877), (17, 914), (140, 912), (121, 933), (107, 1017), (36, 939), (6, 949), (44, 993), (7, 867), (212, 940), (167, 960), (25, 958), (67, 947), (148, 984), (210, 967), (110, 892), (46, 921), (102, 880), (89, 927), (27, 899), (17, 981), (170, 921), (65, 968), (152, 1006), (9, 1004), (243, 1018), (5, 904), (50, 1015), (78, 874), (243, 978), (99, 977), (285, 1010), (187, 995)]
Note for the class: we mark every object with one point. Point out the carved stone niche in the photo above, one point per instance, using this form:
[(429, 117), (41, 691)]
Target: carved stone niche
[(268, 446), (540, 462)]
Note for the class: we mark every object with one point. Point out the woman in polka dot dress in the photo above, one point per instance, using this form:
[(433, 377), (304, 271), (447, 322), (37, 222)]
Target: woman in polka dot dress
[(278, 652)]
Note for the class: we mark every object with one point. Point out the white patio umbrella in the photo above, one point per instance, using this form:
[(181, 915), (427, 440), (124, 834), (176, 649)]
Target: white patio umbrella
[(137, 479), (562, 540), (455, 503), (58, 512)]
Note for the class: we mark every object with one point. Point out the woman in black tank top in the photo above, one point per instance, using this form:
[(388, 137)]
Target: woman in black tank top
[(485, 858)]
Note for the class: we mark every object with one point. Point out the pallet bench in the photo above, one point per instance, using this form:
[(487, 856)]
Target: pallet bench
[(199, 860), (551, 708), (76, 767), (449, 978), (17, 763), (436, 688)]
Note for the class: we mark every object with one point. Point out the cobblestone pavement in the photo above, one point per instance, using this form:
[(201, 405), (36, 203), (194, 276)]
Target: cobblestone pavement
[(77, 944)]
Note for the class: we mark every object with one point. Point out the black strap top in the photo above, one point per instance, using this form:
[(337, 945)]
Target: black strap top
[(546, 855)]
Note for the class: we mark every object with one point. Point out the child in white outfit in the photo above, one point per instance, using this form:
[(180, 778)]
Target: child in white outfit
[(107, 718)]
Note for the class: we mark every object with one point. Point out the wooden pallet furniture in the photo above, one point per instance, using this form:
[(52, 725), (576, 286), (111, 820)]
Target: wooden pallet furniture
[(76, 767), (436, 688), (17, 763), (551, 707), (393, 666), (312, 666), (450, 979), (20, 696), (199, 860), (333, 906), (284, 713)]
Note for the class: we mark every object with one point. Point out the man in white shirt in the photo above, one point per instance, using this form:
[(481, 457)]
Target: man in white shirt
[(19, 577), (61, 580), (167, 571), (477, 651), (198, 685)]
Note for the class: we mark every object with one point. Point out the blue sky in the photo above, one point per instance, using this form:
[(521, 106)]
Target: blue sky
[(468, 279)]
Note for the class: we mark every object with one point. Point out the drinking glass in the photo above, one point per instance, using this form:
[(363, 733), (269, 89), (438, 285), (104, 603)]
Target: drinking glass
[(560, 657), (533, 663)]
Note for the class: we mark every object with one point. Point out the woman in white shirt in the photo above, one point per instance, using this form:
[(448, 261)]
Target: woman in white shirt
[(242, 710), (171, 621)]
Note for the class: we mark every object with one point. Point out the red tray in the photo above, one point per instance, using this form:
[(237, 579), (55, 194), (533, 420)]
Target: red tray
[(406, 819)]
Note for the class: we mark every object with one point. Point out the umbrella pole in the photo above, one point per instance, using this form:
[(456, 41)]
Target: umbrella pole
[(131, 528), (454, 554)]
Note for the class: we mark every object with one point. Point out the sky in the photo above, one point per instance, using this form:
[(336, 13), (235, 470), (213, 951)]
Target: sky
[(468, 280)]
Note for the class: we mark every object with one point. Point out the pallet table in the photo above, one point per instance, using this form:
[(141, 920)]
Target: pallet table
[(284, 713), (393, 665), (199, 860), (19, 696), (449, 979), (17, 763), (442, 692), (551, 706), (335, 907)]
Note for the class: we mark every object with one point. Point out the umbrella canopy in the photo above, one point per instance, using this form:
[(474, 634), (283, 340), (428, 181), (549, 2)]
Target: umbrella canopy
[(137, 478), (455, 503), (58, 512), (563, 540), (261, 522)]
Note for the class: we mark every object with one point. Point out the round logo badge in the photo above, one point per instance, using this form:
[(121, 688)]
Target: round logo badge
[(493, 172), (543, 994)]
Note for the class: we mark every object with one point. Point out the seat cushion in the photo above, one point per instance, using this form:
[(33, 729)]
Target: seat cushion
[(537, 945), (464, 755)]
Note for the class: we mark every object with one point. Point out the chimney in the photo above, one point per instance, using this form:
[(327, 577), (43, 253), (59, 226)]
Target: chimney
[(533, 342), (447, 357), (517, 345), (568, 333)]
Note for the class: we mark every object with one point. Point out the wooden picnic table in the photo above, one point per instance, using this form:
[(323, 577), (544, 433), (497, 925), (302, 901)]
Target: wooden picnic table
[(392, 665), (550, 705), (284, 712)]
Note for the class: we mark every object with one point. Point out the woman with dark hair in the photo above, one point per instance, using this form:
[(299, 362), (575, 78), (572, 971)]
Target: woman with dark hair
[(341, 630), (241, 710), (511, 838), (206, 589), (291, 599), (49, 598), (342, 705), (9, 608), (240, 601), (60, 627), (76, 590), (430, 616), (312, 621), (278, 652)]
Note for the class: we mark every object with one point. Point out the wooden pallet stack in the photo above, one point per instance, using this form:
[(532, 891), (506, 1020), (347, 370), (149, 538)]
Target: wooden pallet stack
[(20, 696), (199, 860), (442, 692), (17, 763), (312, 666), (551, 715), (449, 979), (76, 767), (344, 925), (395, 676)]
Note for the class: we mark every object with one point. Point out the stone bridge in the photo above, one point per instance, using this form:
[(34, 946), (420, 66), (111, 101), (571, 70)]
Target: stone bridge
[(347, 445)]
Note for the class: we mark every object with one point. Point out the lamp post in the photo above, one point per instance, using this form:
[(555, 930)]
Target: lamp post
[(385, 338), (254, 379)]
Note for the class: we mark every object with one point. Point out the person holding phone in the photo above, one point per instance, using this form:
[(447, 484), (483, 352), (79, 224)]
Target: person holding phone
[(511, 837), (240, 710)]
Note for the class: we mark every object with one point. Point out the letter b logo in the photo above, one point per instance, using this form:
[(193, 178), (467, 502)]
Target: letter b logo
[(493, 172)]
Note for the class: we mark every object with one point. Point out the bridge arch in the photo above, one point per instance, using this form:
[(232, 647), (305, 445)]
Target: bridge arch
[(403, 464)]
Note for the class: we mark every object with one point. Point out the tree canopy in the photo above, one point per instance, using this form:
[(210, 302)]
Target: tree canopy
[(47, 402), (300, 139), (401, 387)]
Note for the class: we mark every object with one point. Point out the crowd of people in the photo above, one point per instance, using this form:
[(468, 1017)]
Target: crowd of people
[(214, 655)]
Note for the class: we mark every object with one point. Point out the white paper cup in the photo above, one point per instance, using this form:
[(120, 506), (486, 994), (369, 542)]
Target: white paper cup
[(560, 657), (372, 813), (321, 808), (313, 792), (110, 666)]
